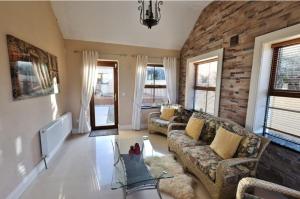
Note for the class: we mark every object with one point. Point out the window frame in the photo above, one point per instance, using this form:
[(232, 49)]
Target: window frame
[(203, 88), (259, 83), (154, 86), (279, 92), (272, 90), (190, 74)]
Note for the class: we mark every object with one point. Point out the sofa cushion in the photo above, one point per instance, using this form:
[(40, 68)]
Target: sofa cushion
[(181, 139), (204, 158), (184, 115), (160, 122), (167, 113), (249, 146), (225, 143), (194, 127), (210, 127), (207, 161)]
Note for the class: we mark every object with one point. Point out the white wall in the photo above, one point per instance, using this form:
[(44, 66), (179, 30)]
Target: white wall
[(20, 121)]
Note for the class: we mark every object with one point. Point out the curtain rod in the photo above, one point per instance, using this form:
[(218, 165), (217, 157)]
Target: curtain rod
[(153, 57), (125, 55), (148, 56)]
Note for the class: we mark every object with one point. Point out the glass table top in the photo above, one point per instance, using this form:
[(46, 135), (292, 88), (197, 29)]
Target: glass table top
[(130, 170)]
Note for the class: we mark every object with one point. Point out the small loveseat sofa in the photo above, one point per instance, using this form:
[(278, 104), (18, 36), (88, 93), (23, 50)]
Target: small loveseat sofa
[(219, 176), (158, 125)]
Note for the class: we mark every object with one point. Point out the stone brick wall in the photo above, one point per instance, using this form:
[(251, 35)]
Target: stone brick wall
[(219, 22), (280, 165)]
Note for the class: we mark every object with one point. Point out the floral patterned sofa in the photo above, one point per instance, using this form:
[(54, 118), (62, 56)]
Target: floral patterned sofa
[(219, 176), (156, 124)]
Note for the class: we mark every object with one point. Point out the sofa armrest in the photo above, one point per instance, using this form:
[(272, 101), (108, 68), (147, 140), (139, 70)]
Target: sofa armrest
[(176, 126), (248, 182), (175, 119), (236, 161), (152, 115)]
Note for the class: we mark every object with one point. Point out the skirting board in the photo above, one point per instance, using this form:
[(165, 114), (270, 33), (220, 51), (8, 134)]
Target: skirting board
[(28, 179), (121, 127), (144, 126), (125, 127), (75, 131), (129, 127), (26, 182)]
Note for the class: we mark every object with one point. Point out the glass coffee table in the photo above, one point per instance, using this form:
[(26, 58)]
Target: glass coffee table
[(130, 171)]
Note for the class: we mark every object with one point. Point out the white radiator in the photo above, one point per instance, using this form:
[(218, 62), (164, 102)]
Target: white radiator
[(54, 134)]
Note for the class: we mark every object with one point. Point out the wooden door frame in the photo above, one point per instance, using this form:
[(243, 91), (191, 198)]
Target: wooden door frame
[(115, 65)]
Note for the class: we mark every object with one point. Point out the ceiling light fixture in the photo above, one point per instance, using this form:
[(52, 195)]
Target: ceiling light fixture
[(151, 15)]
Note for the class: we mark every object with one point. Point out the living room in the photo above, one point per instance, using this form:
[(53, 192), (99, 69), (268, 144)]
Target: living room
[(149, 99)]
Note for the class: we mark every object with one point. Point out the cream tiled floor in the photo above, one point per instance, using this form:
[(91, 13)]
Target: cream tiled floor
[(83, 169)]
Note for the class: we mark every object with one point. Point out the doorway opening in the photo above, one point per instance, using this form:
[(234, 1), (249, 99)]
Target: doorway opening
[(104, 102)]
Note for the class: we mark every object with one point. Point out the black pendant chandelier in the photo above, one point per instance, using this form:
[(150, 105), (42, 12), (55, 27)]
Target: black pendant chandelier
[(149, 14)]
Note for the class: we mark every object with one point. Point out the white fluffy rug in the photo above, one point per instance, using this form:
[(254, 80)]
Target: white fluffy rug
[(179, 187)]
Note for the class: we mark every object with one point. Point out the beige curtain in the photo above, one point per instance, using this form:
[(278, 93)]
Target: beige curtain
[(140, 77), (171, 78), (88, 82)]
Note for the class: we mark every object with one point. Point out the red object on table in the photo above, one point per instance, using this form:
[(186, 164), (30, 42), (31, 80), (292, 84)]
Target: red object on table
[(137, 150), (131, 150)]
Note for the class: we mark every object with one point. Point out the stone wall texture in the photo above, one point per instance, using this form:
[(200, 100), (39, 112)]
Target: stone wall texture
[(280, 165), (220, 21)]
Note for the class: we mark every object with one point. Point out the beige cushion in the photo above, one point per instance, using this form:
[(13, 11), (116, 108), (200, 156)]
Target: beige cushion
[(194, 127), (225, 143), (167, 113)]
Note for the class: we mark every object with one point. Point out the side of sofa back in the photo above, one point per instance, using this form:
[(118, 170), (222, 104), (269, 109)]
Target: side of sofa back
[(184, 115), (210, 127), (175, 106)]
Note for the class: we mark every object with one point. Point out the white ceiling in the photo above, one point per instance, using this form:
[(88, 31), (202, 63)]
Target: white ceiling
[(118, 22)]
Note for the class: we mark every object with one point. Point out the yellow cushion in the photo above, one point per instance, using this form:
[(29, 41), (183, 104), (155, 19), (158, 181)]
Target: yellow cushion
[(194, 127), (225, 143), (167, 113)]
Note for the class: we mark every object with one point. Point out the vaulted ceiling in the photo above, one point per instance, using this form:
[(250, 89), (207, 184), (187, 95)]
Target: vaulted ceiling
[(118, 22)]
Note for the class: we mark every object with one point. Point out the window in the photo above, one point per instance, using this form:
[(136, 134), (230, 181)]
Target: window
[(155, 92), (283, 102), (205, 85), (193, 86)]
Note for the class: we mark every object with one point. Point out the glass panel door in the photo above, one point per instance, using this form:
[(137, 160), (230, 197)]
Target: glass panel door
[(104, 102)]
